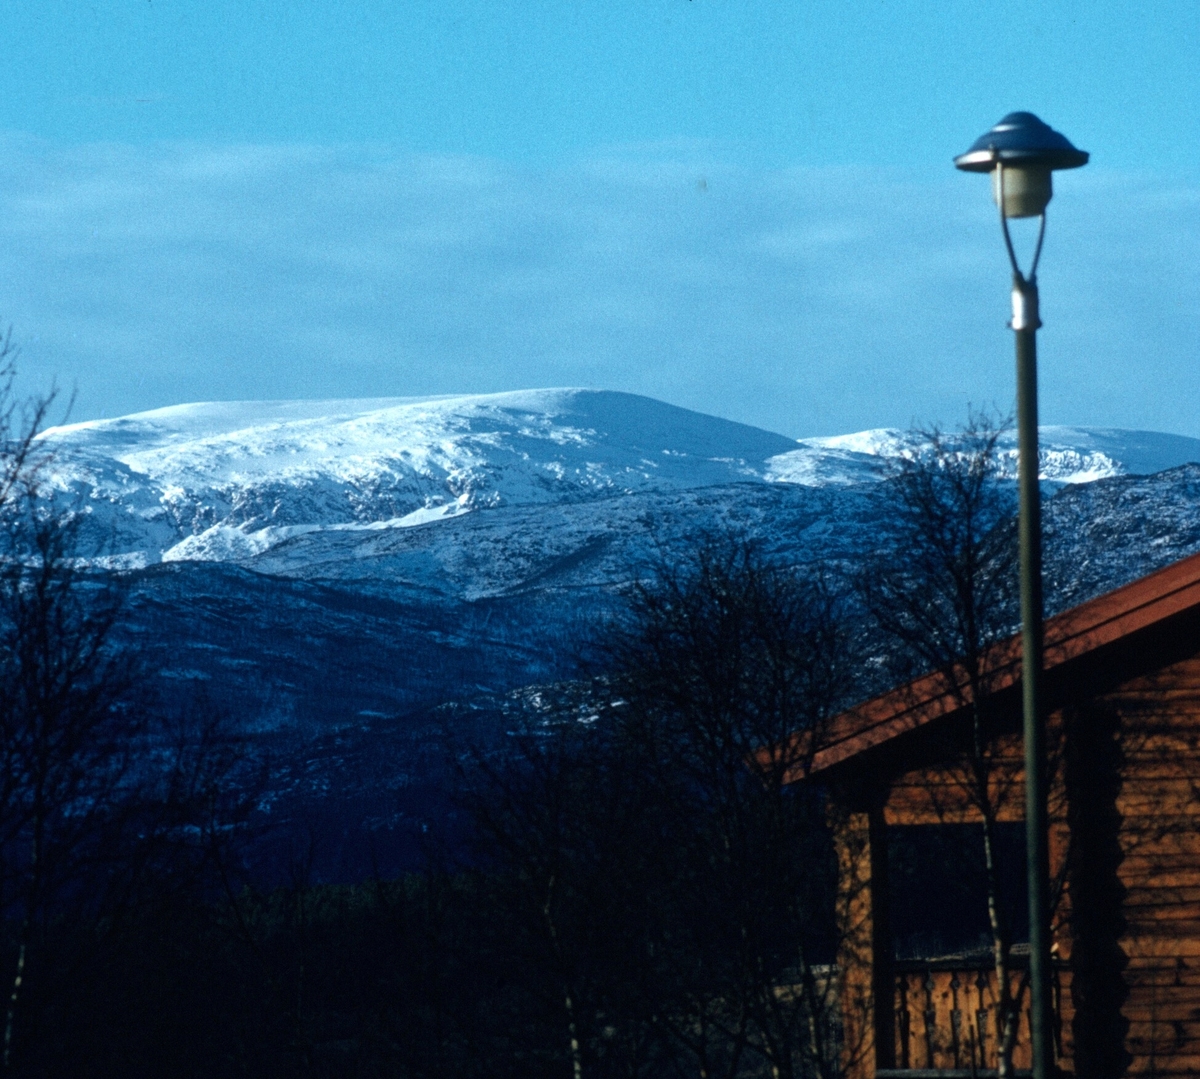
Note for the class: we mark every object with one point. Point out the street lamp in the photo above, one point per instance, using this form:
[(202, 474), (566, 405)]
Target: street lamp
[(1021, 152)]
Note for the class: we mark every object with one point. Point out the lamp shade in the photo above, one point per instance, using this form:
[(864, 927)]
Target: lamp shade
[(1021, 141)]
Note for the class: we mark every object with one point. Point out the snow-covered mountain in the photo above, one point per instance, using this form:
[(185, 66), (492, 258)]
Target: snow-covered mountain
[(229, 481), (225, 481), (333, 573)]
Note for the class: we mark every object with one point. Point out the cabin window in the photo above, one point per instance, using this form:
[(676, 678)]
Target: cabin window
[(937, 884)]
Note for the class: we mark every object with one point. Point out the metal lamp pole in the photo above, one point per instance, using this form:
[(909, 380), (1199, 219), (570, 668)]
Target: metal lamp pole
[(1020, 152)]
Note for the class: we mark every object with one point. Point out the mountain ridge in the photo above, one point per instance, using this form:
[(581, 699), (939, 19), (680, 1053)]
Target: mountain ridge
[(229, 481)]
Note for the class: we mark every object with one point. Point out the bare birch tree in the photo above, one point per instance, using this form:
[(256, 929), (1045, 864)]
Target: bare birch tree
[(677, 893), (942, 589), (64, 748)]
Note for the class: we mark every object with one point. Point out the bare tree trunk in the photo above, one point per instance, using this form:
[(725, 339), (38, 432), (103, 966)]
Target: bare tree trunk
[(568, 1003), (35, 868), (10, 1020), (816, 1006), (576, 1056), (1007, 1006), (1001, 953)]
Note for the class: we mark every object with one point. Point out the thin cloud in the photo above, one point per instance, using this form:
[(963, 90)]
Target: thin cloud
[(803, 300)]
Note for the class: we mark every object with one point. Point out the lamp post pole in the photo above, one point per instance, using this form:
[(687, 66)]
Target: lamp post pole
[(1025, 324), (1020, 153)]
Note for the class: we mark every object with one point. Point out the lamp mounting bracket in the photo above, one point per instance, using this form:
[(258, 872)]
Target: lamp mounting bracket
[(1019, 279)]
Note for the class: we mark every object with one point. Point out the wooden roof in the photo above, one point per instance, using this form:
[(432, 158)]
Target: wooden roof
[(1069, 636)]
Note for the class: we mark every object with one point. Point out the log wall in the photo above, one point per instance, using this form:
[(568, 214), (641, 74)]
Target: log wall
[(1159, 867)]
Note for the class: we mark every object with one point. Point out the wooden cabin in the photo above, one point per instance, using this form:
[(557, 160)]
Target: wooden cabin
[(917, 979)]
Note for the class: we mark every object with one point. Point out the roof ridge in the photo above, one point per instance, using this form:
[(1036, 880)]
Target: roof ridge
[(1070, 634)]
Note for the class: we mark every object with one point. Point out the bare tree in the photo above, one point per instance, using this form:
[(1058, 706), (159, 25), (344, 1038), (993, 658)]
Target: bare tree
[(730, 654), (942, 589), (64, 746), (675, 893)]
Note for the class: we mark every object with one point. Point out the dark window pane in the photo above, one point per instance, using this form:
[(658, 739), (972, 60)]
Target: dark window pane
[(938, 888)]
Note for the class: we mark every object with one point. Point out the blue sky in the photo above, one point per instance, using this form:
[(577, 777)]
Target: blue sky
[(747, 209)]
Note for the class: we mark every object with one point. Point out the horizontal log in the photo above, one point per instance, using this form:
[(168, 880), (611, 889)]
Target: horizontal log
[(1164, 946), (1140, 935), (1151, 974), (1161, 1061), (1164, 906), (1174, 734), (1173, 778), (1159, 902), (1181, 1012), (1149, 890), (1158, 851), (1185, 965), (1161, 1057)]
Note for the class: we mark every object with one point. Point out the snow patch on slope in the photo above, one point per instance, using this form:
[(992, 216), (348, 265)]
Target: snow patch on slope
[(221, 543)]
